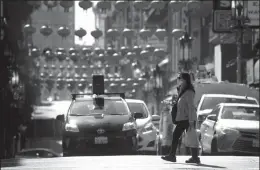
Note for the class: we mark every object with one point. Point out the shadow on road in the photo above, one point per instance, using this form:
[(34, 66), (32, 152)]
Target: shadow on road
[(11, 163), (201, 165)]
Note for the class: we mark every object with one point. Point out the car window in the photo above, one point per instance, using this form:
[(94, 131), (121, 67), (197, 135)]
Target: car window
[(215, 111), (138, 108), (211, 102), (240, 113), (87, 107)]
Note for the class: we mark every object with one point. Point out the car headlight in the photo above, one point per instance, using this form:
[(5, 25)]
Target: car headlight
[(129, 126), (148, 127), (71, 127)]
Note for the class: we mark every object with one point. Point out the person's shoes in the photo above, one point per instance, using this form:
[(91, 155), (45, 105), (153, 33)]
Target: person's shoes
[(193, 160), (169, 158)]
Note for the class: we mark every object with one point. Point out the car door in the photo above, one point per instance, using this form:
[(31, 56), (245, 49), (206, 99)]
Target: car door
[(207, 131)]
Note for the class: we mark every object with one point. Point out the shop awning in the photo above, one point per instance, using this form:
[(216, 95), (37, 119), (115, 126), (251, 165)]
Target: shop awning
[(256, 71)]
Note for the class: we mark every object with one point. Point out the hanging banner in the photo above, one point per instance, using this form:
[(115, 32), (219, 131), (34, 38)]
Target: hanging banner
[(250, 71)]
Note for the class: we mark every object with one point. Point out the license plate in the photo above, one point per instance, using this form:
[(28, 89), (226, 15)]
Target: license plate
[(256, 143), (101, 140)]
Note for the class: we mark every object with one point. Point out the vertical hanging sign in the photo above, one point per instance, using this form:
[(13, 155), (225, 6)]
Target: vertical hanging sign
[(222, 13)]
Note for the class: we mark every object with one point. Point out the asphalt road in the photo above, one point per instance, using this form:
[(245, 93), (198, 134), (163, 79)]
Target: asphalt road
[(130, 162)]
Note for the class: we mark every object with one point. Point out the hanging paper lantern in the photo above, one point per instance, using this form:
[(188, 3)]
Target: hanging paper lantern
[(82, 86), (124, 50), (130, 55), (145, 33), (137, 49), (29, 29), (64, 32), (66, 5), (60, 84), (159, 53), (96, 33), (50, 4), (141, 5), (104, 5), (81, 33), (46, 30), (158, 5), (149, 48), (160, 34), (35, 4), (69, 67), (45, 66), (35, 52), (110, 51), (98, 50), (177, 5), (72, 50), (62, 68), (47, 52), (128, 33), (86, 50), (74, 57), (121, 5), (86, 4), (71, 85), (145, 54), (112, 33), (42, 75), (60, 55), (62, 50)]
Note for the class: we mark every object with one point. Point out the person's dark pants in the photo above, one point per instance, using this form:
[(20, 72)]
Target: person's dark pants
[(178, 131)]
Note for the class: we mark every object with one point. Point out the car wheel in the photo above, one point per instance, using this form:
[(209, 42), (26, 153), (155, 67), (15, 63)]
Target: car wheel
[(214, 147)]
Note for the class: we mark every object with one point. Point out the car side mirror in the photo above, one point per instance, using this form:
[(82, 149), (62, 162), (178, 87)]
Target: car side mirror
[(156, 118), (212, 117), (61, 118), (138, 115)]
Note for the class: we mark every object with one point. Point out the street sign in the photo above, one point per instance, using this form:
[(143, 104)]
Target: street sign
[(222, 20), (253, 8)]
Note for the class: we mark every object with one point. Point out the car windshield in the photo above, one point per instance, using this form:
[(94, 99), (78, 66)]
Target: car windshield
[(88, 107), (138, 108), (211, 102), (240, 113)]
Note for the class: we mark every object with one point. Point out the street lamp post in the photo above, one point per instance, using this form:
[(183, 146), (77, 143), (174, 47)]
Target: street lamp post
[(185, 40), (239, 16), (157, 86)]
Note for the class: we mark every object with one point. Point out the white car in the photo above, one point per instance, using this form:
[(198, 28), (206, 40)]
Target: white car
[(145, 127), (209, 101), (231, 127)]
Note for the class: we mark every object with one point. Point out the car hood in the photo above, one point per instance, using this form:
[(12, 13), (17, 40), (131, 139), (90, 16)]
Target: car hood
[(93, 122), (243, 125)]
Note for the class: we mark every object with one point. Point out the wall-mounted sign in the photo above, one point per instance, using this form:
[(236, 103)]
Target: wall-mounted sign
[(222, 21), (253, 8), (250, 71)]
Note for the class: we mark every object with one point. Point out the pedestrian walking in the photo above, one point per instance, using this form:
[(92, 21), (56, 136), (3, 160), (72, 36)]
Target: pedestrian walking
[(185, 118)]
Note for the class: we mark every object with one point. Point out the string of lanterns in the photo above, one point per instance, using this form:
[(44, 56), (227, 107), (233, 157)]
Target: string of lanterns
[(108, 56)]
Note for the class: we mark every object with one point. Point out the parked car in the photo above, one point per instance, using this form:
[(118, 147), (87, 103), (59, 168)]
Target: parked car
[(99, 124), (145, 127), (209, 101), (231, 127), (37, 153)]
